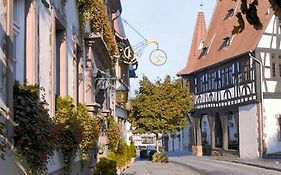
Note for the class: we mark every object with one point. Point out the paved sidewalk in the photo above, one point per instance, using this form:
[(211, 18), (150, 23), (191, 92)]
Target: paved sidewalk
[(266, 163)]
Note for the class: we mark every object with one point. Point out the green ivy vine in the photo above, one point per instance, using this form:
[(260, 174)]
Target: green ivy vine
[(96, 12), (37, 136), (90, 133), (70, 130), (35, 132), (114, 134)]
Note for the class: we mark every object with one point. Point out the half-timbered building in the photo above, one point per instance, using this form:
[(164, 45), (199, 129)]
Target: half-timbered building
[(235, 80)]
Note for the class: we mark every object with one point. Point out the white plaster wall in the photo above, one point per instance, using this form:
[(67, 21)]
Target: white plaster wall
[(72, 28), (271, 110), (129, 133), (45, 54), (267, 41), (45, 69), (248, 123), (55, 162), (10, 166)]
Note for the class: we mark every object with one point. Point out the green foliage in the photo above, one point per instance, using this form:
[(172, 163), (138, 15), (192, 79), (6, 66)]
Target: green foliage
[(70, 129), (35, 132), (2, 141), (160, 157), (105, 167), (113, 134), (160, 107), (96, 12), (123, 154), (90, 130), (132, 150)]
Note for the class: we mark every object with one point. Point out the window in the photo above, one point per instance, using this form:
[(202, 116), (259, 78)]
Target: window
[(227, 41), (214, 83), (205, 51), (196, 86), (205, 125), (222, 78), (2, 77), (247, 70), (18, 32), (275, 65), (15, 55), (210, 81), (279, 70), (219, 79), (273, 70), (230, 13)]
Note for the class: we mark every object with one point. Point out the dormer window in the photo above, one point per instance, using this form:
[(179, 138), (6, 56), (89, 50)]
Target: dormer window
[(227, 41), (205, 51), (230, 13), (206, 48)]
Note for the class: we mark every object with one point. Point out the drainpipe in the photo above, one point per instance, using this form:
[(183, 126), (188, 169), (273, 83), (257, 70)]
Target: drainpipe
[(260, 108)]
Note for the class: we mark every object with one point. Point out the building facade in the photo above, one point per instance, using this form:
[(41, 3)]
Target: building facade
[(234, 82), (42, 44)]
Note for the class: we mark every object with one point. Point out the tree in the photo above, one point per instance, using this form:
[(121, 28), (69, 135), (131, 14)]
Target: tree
[(249, 11), (160, 107)]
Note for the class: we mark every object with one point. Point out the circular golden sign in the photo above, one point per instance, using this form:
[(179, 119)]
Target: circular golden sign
[(158, 57)]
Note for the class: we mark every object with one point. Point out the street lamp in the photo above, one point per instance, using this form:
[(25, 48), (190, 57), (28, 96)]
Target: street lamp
[(122, 94)]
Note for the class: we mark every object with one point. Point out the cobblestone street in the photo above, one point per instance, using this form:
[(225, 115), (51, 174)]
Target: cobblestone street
[(149, 168), (188, 165)]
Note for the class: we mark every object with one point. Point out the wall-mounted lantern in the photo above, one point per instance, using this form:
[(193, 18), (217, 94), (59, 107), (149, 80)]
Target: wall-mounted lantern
[(122, 94)]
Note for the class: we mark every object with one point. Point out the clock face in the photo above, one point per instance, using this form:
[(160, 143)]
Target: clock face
[(158, 57)]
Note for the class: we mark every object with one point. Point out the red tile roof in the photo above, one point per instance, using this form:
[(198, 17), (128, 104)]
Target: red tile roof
[(221, 27)]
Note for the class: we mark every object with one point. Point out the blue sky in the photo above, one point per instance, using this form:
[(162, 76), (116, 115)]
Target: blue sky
[(171, 23)]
